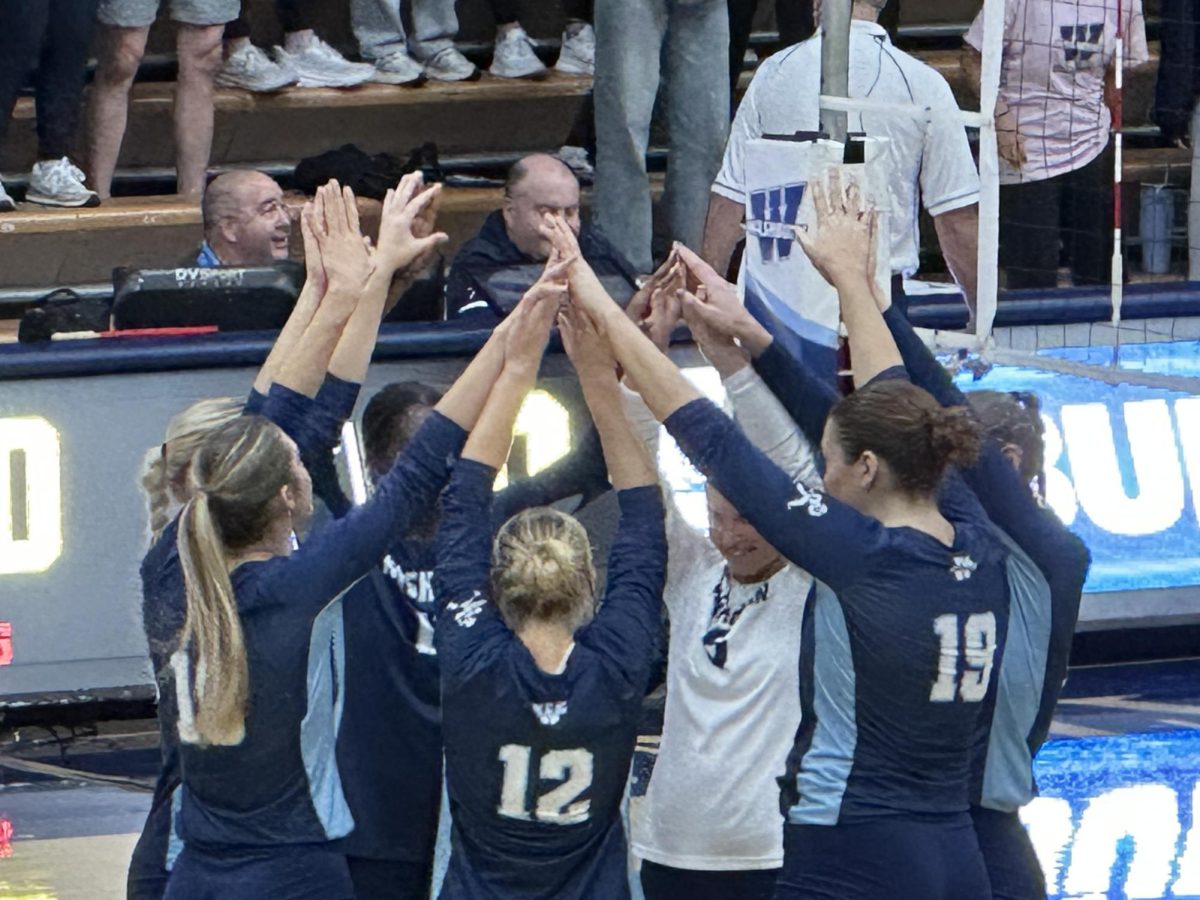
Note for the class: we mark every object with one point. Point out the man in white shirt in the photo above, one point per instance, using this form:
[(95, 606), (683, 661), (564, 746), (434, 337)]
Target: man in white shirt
[(1053, 122), (930, 158)]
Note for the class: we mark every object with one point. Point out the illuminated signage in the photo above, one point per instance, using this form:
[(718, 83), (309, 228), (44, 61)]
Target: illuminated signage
[(1117, 816), (541, 436), (1123, 472), (30, 495)]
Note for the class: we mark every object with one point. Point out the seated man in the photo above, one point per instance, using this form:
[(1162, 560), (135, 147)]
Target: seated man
[(497, 266), (245, 221)]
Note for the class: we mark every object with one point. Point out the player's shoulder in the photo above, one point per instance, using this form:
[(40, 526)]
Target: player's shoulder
[(789, 63), (927, 82)]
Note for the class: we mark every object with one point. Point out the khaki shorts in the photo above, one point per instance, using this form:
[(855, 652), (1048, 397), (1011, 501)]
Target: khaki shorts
[(141, 13)]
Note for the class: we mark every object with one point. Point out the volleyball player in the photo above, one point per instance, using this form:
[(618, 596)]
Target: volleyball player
[(733, 696), (902, 630), (542, 693), (167, 474)]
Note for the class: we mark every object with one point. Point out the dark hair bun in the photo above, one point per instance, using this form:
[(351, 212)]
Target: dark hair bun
[(953, 436)]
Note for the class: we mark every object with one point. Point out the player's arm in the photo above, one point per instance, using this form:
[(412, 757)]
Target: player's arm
[(958, 236)]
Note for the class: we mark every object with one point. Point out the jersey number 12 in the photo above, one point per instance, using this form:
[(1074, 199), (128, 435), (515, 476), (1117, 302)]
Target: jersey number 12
[(973, 655), (558, 805)]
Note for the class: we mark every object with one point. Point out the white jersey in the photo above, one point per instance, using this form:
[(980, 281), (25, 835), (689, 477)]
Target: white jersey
[(930, 155), (1056, 53), (733, 692)]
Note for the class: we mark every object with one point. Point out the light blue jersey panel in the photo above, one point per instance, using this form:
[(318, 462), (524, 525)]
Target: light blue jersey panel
[(323, 721), (1008, 769), (825, 769)]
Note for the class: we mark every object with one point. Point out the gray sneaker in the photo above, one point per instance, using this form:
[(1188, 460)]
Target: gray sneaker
[(514, 56), (57, 182), (450, 65), (6, 202), (318, 65), (398, 68), (578, 54), (250, 69)]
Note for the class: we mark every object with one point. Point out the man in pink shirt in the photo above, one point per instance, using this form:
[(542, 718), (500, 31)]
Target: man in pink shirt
[(1053, 122)]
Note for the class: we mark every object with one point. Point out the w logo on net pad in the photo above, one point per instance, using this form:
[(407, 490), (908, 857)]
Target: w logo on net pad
[(773, 213), (1081, 42)]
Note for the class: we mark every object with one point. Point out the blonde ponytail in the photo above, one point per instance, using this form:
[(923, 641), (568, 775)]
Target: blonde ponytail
[(212, 629), (158, 497)]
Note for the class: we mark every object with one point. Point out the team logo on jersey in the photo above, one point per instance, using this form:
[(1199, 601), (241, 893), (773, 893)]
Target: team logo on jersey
[(1081, 42), (813, 501), (724, 617), (467, 613), (963, 567), (550, 713), (773, 214)]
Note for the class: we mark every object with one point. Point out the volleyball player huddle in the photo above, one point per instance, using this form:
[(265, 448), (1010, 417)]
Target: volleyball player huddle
[(881, 611)]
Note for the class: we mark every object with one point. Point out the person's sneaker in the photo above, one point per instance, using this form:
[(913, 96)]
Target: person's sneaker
[(398, 68), (578, 54), (57, 182), (250, 69), (576, 159), (450, 65), (6, 202), (319, 65), (514, 56)]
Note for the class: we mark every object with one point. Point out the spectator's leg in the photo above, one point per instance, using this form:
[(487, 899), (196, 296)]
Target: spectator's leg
[(61, 75), (23, 24), (434, 27), (578, 10), (1088, 210), (199, 50), (121, 50), (795, 21), (298, 15), (629, 37), (505, 11), (697, 114), (237, 32), (741, 21), (1029, 233), (1194, 202), (378, 27)]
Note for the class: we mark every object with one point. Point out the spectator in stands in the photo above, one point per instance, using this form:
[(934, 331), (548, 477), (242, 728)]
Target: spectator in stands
[(198, 46), (245, 221), (57, 56), (638, 44), (508, 254), (1176, 106), (930, 158), (403, 54), (303, 58), (1053, 122)]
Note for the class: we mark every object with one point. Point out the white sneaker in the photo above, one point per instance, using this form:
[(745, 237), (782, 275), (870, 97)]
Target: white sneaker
[(6, 202), (398, 68), (578, 54), (576, 159), (57, 182), (319, 65), (250, 69), (514, 56), (450, 65)]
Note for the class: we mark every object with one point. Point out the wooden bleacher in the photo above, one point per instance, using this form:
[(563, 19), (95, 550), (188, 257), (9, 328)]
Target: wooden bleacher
[(42, 248)]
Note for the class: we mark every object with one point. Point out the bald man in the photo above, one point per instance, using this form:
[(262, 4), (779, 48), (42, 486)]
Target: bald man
[(245, 221), (495, 267)]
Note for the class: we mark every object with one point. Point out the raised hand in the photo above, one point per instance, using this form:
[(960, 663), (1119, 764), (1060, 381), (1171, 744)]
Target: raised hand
[(406, 235), (669, 273), (664, 312), (586, 289), (718, 347), (715, 304), (345, 257), (840, 249), (527, 327), (314, 270), (589, 351)]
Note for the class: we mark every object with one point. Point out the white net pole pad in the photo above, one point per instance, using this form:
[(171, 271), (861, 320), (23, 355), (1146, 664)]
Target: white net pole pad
[(775, 269)]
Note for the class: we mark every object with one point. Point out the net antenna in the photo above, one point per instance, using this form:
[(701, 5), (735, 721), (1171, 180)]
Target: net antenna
[(1118, 266)]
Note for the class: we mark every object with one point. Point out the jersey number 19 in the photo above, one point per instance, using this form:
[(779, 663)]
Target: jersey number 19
[(558, 805), (973, 655)]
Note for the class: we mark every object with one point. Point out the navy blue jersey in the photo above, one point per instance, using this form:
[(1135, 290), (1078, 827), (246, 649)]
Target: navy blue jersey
[(900, 637), (1043, 621), (536, 763)]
